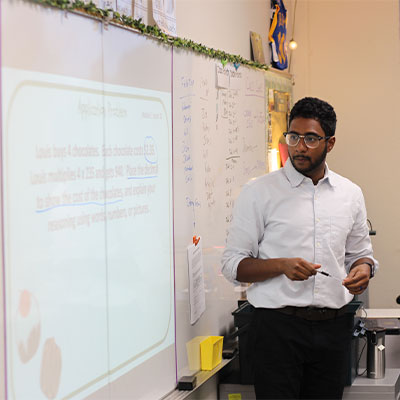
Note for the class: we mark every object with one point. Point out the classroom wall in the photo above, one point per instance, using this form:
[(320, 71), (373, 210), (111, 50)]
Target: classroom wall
[(224, 24), (349, 54)]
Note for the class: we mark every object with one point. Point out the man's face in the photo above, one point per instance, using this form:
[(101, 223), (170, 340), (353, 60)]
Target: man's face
[(309, 162)]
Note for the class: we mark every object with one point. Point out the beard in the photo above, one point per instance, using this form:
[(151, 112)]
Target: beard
[(313, 164)]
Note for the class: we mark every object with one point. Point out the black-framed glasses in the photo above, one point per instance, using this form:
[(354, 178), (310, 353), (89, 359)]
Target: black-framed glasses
[(311, 140)]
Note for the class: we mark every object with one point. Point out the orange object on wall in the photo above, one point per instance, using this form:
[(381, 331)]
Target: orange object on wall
[(283, 151)]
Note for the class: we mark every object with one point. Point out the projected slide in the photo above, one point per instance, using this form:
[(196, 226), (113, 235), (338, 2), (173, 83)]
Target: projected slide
[(88, 232)]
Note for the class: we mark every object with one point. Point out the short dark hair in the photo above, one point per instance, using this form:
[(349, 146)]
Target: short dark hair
[(321, 111)]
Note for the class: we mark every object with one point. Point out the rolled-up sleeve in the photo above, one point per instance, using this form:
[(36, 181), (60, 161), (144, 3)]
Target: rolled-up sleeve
[(358, 244), (245, 233)]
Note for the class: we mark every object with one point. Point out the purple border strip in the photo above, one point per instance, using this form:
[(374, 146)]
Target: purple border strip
[(2, 211), (173, 208)]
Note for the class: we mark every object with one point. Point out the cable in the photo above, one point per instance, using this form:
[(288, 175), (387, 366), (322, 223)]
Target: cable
[(362, 319), (364, 311), (294, 19), (359, 358), (371, 231)]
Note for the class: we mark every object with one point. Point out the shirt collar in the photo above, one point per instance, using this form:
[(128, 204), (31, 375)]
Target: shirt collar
[(296, 178)]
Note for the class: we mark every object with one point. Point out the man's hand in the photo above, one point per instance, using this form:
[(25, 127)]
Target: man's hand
[(358, 278), (258, 270), (298, 269)]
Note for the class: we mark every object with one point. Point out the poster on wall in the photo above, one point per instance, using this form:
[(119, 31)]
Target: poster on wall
[(257, 48), (278, 112), (277, 35)]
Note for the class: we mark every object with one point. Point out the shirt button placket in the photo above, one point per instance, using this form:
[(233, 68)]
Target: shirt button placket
[(316, 227), (317, 233)]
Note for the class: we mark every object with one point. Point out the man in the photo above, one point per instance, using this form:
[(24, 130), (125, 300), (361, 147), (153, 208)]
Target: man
[(288, 226)]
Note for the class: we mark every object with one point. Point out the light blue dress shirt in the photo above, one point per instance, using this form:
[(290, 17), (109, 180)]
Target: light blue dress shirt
[(283, 214)]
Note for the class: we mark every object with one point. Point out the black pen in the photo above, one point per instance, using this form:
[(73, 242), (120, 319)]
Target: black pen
[(329, 275)]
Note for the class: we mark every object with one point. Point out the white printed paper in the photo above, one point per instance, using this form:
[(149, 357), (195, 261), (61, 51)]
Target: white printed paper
[(222, 77), (140, 10), (196, 282), (124, 7), (109, 4), (235, 78), (164, 15)]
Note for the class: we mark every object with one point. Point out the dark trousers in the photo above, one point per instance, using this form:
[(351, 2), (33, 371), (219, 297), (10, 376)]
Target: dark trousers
[(294, 358)]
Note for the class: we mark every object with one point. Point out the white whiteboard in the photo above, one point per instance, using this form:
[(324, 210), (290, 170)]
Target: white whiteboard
[(219, 144)]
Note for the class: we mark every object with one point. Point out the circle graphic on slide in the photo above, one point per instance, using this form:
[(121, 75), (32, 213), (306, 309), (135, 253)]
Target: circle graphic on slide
[(50, 372), (27, 329), (150, 150)]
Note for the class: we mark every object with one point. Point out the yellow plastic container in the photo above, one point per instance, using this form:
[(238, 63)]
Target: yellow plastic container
[(211, 352)]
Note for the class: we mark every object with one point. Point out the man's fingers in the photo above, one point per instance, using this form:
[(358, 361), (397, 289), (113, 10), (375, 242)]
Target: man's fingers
[(351, 277), (359, 286), (298, 269), (304, 271), (358, 290), (309, 268)]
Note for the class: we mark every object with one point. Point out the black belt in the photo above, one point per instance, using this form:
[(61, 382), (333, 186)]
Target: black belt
[(312, 313)]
